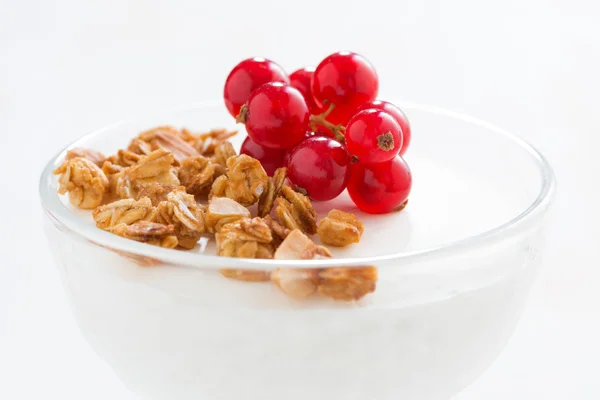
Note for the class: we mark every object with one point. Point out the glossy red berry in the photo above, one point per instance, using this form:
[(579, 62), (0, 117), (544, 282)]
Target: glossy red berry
[(346, 80), (380, 188), (301, 80), (246, 77), (398, 115), (319, 166), (276, 116), (373, 136), (271, 159)]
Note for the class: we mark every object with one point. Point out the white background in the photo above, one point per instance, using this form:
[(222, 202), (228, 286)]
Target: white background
[(532, 67)]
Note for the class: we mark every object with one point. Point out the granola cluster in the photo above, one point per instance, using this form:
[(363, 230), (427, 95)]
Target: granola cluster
[(155, 191)]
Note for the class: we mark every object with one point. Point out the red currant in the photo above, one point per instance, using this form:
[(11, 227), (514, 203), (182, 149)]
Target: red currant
[(301, 80), (398, 115), (373, 136), (319, 166), (346, 80), (247, 76), (271, 159), (276, 116), (380, 188)]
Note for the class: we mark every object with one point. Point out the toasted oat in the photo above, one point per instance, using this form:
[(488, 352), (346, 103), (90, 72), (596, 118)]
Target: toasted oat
[(296, 282), (126, 211), (84, 181), (274, 185), (219, 187), (155, 191), (187, 135), (181, 210), (125, 158), (246, 238), (295, 211), (205, 143), (248, 229), (223, 210), (155, 168), (148, 232), (112, 172), (168, 138), (139, 146), (148, 135), (245, 180), (246, 275), (347, 283), (298, 246), (340, 229), (276, 228), (223, 151), (197, 174), (91, 155)]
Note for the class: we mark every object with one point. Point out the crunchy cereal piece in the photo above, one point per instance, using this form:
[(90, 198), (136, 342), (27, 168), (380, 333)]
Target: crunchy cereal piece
[(296, 282), (197, 174), (84, 181), (246, 275), (168, 138), (245, 180), (125, 158), (340, 229), (347, 283), (274, 185), (91, 155), (156, 167), (219, 187), (205, 143), (112, 172), (223, 210), (155, 191), (223, 151), (126, 211), (298, 246), (139, 146), (148, 232), (295, 211), (246, 238), (276, 228), (181, 210), (248, 229), (187, 135)]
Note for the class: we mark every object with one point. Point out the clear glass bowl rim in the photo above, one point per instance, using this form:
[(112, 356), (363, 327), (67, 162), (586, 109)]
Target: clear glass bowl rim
[(82, 230)]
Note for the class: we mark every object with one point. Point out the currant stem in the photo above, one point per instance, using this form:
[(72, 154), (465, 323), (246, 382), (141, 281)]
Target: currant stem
[(241, 117), (321, 119)]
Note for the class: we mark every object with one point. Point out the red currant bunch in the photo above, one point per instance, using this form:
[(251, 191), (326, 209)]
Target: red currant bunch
[(326, 126)]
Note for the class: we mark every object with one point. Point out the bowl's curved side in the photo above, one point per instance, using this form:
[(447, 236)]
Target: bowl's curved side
[(520, 224), (187, 333)]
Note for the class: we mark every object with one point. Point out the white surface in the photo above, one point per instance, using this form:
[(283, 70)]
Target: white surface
[(68, 67)]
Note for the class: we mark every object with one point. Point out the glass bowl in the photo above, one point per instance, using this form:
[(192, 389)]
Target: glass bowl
[(454, 270)]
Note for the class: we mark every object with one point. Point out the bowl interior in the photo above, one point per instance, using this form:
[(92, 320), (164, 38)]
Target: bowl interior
[(469, 178)]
